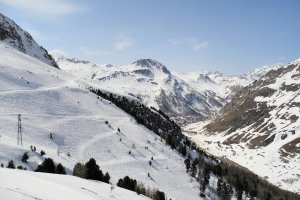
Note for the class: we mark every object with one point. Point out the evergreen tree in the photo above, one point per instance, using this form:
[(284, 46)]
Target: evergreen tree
[(60, 169), (11, 165), (93, 170), (182, 150), (158, 195), (47, 166), (43, 153), (187, 163), (25, 157), (106, 177), (80, 170), (194, 167), (127, 183)]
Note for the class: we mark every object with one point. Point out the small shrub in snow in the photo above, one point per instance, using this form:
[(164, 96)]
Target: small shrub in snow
[(21, 167), (43, 153), (33, 148)]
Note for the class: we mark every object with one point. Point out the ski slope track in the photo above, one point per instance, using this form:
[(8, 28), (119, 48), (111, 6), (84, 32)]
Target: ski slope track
[(19, 184), (50, 100)]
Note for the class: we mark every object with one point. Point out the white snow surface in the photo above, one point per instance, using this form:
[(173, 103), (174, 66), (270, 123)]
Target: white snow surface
[(223, 85), (25, 185), (203, 92), (50, 100), (267, 162)]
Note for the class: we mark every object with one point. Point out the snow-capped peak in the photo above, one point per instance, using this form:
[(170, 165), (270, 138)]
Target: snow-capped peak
[(58, 54), (296, 61), (150, 63)]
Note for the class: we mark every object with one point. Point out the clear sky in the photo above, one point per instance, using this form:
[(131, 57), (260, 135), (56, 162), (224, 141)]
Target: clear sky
[(231, 36)]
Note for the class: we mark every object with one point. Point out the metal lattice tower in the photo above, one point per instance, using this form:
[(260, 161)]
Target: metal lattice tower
[(19, 137)]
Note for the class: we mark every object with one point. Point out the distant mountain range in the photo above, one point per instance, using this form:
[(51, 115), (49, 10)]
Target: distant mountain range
[(250, 119), (186, 97)]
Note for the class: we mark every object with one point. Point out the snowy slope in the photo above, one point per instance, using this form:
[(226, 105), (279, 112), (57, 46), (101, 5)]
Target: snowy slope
[(260, 128), (50, 100), (19, 184), (186, 97), (16, 37), (223, 85), (151, 82)]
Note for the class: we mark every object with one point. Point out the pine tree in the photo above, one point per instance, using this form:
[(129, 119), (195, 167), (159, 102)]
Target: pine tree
[(187, 163), (11, 165), (93, 170), (43, 153), (60, 169), (158, 195), (47, 166), (80, 170), (25, 157), (106, 177)]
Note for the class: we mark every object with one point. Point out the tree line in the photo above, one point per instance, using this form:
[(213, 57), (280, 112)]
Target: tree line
[(233, 180)]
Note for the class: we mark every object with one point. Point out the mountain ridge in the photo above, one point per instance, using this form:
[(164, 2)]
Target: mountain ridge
[(13, 35), (260, 127)]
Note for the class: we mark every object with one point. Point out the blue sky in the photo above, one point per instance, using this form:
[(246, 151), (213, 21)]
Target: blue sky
[(231, 36)]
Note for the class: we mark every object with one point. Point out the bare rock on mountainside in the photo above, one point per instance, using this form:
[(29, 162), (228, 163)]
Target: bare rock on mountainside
[(260, 128), (13, 35)]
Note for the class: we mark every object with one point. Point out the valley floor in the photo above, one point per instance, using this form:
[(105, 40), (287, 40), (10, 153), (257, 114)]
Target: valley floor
[(264, 162)]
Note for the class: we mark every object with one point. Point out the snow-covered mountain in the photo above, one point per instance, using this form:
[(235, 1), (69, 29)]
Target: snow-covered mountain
[(223, 85), (19, 184), (260, 128), (83, 125), (16, 37), (186, 97)]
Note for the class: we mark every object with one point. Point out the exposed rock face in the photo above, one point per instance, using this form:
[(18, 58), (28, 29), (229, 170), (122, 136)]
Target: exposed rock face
[(151, 82), (259, 108), (16, 37)]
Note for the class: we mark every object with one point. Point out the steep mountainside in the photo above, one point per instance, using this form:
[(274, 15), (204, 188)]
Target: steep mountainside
[(16, 37), (260, 128), (83, 125), (151, 82), (185, 97)]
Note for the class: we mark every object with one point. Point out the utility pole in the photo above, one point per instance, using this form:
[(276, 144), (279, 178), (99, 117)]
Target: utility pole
[(19, 137)]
